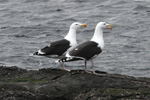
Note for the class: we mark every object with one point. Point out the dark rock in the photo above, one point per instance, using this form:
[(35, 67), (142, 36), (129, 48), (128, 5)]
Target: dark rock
[(56, 84)]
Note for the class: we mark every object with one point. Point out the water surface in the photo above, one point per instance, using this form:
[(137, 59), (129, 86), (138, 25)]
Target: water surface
[(28, 25)]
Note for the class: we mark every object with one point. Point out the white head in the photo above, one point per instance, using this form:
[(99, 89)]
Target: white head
[(104, 25), (98, 34), (77, 25), (71, 36)]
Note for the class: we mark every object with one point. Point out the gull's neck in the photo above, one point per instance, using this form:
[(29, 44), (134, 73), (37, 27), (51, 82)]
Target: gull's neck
[(98, 37), (71, 36)]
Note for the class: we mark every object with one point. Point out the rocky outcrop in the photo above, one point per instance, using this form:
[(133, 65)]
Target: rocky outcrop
[(56, 84)]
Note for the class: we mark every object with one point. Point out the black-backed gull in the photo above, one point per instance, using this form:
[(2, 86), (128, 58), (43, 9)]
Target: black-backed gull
[(57, 49), (87, 51)]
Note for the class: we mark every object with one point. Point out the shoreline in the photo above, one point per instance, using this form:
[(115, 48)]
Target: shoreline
[(57, 84)]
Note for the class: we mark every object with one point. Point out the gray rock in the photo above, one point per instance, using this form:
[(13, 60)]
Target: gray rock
[(56, 84)]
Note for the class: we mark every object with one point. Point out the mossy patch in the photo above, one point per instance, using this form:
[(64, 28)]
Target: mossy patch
[(115, 93), (118, 92), (26, 80)]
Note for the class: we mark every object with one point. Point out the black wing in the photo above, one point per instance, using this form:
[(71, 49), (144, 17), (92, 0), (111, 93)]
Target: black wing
[(86, 50), (56, 48)]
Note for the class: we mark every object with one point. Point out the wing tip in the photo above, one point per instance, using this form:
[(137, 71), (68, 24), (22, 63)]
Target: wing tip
[(34, 54), (31, 54), (65, 59)]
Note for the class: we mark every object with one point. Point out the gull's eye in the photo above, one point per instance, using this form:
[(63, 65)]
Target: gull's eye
[(104, 23), (76, 24)]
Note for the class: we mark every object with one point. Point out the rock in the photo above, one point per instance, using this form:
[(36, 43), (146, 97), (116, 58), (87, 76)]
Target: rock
[(56, 84)]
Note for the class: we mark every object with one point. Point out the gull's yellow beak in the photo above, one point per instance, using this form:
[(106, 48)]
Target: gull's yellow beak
[(83, 25), (110, 24), (109, 27)]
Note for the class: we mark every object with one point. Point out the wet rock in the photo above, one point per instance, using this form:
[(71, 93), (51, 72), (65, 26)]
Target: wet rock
[(56, 84)]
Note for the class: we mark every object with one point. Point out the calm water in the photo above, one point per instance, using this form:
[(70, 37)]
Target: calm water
[(28, 25)]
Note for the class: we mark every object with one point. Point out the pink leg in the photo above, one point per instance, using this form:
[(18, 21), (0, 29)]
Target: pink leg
[(63, 67), (93, 68), (86, 67)]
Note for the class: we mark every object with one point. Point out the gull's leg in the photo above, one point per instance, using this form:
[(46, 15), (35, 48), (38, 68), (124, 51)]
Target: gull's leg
[(86, 67), (63, 67), (93, 68)]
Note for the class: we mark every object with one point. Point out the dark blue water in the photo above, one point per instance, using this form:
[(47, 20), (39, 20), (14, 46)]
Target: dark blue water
[(28, 25)]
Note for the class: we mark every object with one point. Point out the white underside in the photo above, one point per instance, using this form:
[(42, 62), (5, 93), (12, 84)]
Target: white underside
[(40, 52)]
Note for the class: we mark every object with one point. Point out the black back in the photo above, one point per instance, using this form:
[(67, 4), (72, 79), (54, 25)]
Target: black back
[(86, 50), (56, 48)]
